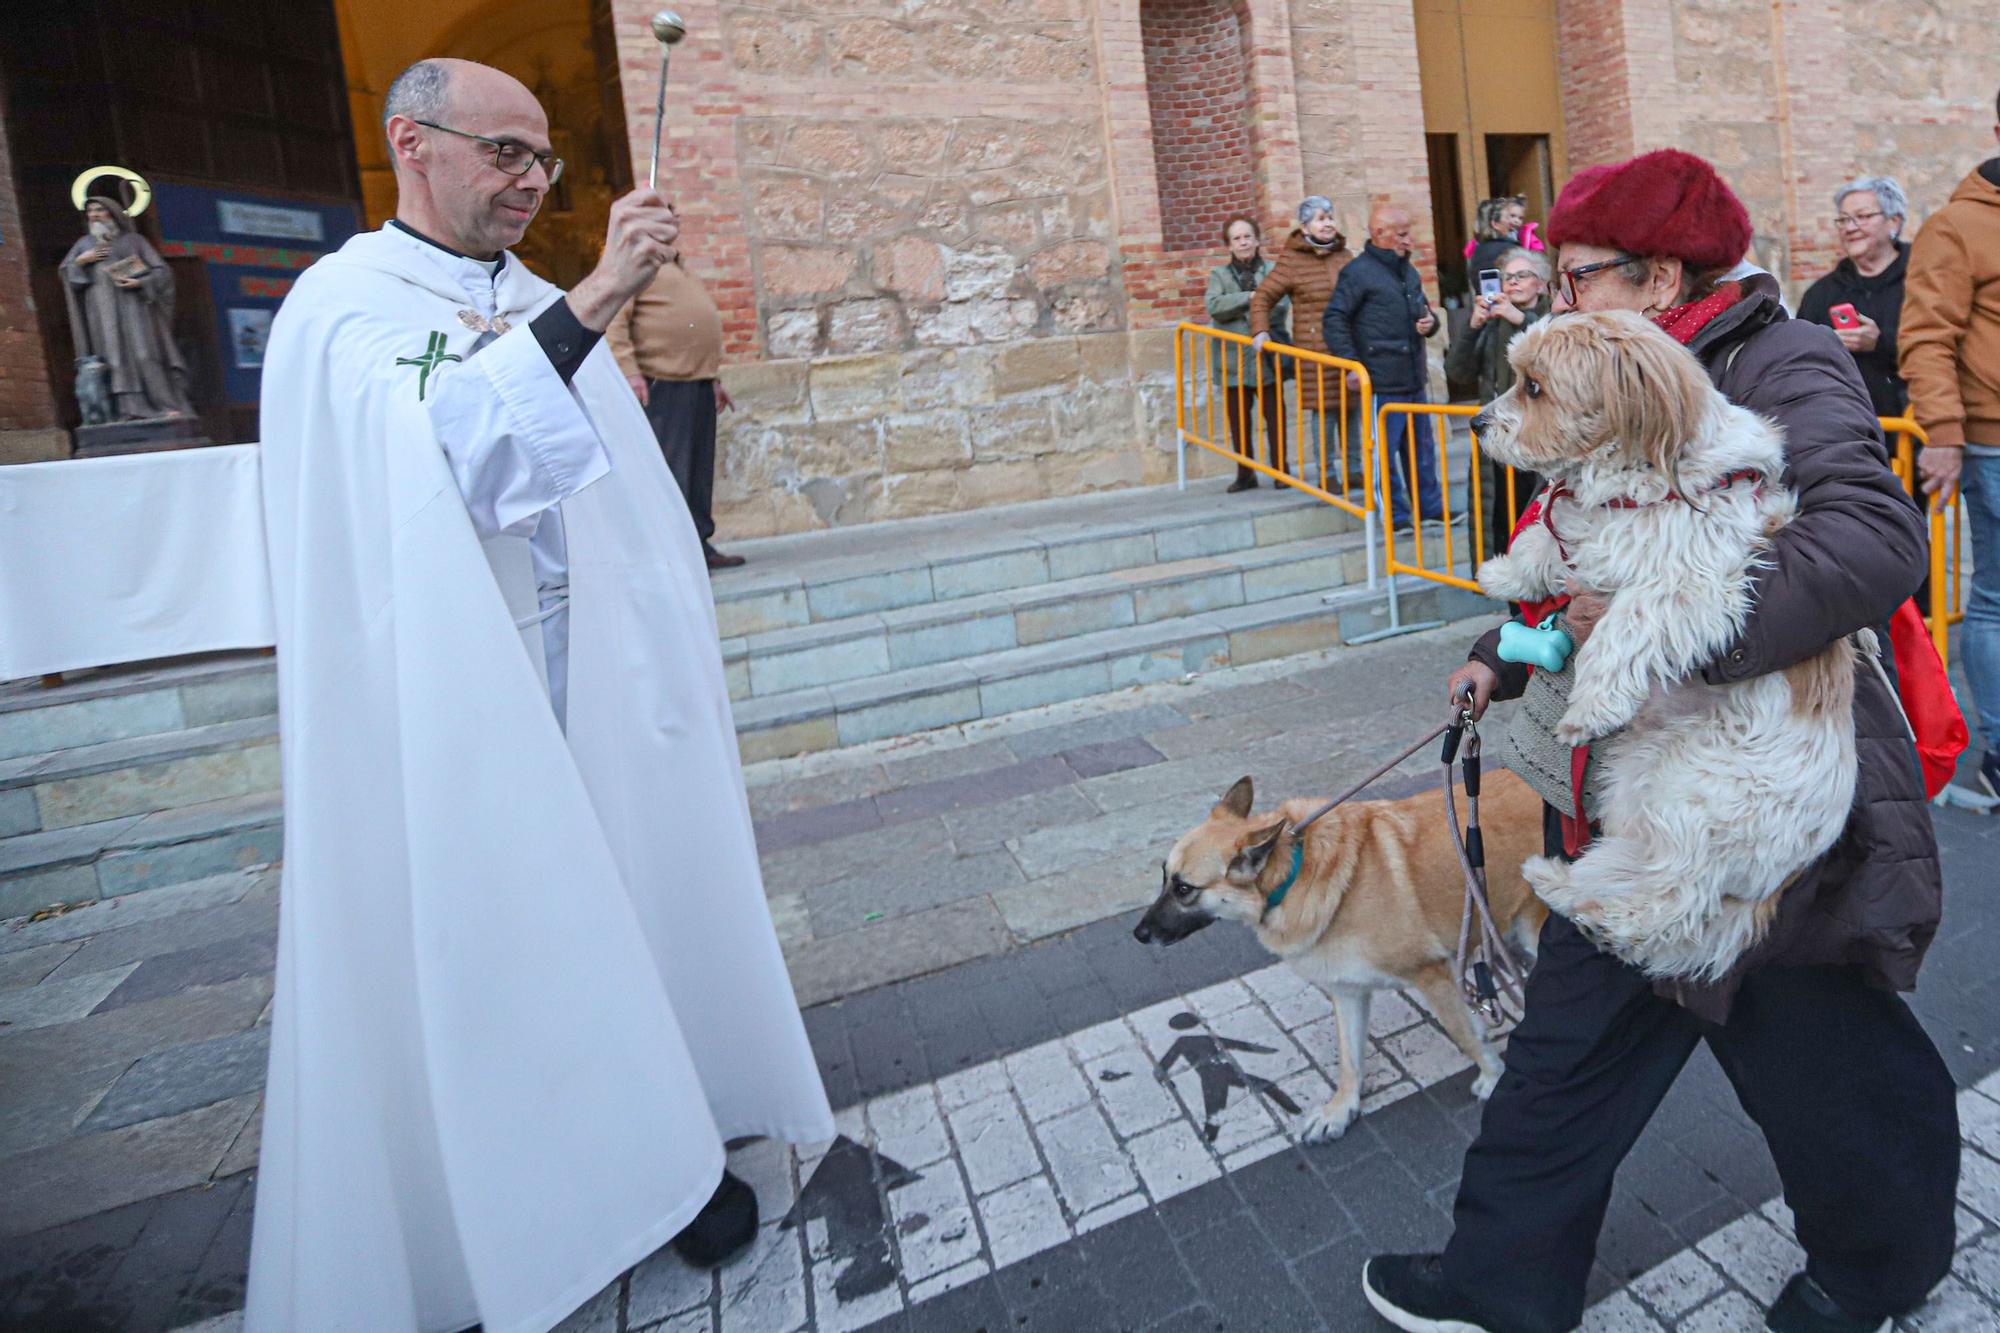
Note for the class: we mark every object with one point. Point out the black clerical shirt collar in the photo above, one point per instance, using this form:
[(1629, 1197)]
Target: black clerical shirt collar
[(492, 266)]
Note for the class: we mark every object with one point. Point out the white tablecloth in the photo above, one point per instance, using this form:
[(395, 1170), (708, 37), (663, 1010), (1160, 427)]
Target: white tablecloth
[(125, 559)]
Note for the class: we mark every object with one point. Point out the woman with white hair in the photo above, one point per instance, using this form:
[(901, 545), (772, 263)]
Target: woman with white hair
[(1867, 286), (1479, 355)]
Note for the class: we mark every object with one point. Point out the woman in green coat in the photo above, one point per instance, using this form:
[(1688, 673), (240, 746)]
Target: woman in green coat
[(1245, 377)]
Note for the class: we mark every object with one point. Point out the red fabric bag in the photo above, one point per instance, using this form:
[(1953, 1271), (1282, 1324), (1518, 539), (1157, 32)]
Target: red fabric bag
[(1938, 725)]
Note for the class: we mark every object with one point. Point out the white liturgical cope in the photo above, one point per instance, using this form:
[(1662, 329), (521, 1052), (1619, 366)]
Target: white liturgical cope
[(527, 982)]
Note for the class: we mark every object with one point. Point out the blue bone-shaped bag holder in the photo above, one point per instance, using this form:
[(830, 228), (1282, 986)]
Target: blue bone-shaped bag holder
[(1543, 646)]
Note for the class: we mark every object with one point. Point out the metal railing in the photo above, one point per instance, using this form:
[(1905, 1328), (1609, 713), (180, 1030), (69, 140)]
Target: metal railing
[(1217, 373), (1352, 427), (1420, 563), (1944, 589)]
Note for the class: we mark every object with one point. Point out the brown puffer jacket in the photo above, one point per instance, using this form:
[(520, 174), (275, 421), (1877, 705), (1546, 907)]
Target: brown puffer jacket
[(1306, 274), (1855, 551)]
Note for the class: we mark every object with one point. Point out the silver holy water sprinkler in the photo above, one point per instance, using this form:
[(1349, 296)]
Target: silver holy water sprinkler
[(668, 29)]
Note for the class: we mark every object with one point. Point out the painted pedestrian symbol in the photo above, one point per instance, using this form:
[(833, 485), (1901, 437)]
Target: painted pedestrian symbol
[(1209, 1058), (843, 1194)]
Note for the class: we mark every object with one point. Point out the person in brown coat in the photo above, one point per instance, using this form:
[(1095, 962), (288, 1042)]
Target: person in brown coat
[(1307, 266), (1856, 1105), (1950, 356), (668, 341)]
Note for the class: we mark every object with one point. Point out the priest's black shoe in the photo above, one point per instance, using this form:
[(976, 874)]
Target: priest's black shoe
[(1804, 1307), (1410, 1292), (725, 1224), (1245, 481)]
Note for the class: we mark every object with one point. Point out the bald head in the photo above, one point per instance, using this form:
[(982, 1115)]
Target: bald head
[(1389, 228), (443, 119), (444, 90)]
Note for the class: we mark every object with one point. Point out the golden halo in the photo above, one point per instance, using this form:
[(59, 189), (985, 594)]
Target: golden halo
[(142, 193)]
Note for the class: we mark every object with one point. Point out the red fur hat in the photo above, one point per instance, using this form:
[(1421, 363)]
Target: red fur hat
[(1665, 205)]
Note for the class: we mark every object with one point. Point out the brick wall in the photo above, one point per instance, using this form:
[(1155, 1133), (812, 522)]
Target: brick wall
[(1197, 94), (27, 408), (1163, 285)]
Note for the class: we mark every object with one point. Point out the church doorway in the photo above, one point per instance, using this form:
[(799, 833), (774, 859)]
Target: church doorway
[(1492, 114)]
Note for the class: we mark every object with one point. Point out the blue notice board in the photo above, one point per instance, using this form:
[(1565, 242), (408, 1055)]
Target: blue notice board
[(256, 245)]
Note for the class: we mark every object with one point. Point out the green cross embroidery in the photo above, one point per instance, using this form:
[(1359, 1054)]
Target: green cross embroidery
[(433, 357)]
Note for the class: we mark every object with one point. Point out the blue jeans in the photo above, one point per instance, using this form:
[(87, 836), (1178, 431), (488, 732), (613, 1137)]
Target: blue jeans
[(1308, 451), (1430, 499), (1979, 637)]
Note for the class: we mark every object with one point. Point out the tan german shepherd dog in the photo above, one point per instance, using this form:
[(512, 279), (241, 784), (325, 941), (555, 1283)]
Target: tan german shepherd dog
[(1376, 906)]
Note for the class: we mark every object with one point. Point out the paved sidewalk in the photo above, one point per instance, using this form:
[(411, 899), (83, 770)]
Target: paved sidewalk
[(894, 859), (1032, 1135)]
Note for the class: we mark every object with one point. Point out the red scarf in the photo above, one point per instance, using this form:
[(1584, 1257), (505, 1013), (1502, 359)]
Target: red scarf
[(1683, 322)]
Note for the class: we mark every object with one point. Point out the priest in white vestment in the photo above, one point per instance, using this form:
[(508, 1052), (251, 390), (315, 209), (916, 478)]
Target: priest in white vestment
[(527, 980)]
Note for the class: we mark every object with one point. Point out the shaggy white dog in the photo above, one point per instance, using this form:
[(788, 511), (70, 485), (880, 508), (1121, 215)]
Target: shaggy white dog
[(1663, 495)]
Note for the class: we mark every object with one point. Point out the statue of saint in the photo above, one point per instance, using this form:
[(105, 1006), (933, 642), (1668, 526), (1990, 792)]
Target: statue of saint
[(121, 310)]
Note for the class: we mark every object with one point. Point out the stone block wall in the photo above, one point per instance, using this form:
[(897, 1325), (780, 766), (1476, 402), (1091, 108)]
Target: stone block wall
[(945, 234), (905, 211), (851, 439)]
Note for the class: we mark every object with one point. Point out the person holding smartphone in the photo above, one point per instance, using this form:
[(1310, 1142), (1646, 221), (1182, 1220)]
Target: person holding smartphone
[(1862, 299), (1519, 297)]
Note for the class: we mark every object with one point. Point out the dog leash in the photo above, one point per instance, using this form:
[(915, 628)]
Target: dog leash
[(1484, 982), (1489, 974)]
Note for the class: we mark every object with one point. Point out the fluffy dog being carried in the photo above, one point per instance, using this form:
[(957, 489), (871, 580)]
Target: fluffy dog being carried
[(1711, 798)]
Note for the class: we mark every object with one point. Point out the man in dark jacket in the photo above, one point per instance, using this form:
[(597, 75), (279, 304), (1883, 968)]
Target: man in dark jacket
[(1854, 1101), (1379, 316)]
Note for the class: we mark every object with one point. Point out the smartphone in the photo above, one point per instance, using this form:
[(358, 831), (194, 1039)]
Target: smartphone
[(1843, 316), (1489, 283)]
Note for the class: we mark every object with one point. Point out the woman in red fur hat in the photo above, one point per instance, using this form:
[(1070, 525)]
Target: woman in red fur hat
[(1855, 1103)]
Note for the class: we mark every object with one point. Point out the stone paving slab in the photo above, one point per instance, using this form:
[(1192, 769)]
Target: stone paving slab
[(81, 923), (63, 1182)]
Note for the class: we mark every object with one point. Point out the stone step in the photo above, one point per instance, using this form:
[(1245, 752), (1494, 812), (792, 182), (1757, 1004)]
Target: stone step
[(144, 699), (132, 853), (900, 702), (822, 576), (858, 646), (137, 775)]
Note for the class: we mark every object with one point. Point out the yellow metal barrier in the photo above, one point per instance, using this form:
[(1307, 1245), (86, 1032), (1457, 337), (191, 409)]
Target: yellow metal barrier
[(1420, 564), (1202, 407), (1947, 515)]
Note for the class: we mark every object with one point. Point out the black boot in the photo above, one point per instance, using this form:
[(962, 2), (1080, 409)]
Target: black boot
[(1802, 1307), (1246, 480), (725, 1224)]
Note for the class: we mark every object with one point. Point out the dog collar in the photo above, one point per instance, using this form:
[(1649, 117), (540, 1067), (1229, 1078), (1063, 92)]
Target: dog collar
[(1277, 895), (1740, 474)]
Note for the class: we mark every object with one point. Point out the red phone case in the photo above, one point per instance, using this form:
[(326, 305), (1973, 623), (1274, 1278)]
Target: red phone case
[(1843, 316)]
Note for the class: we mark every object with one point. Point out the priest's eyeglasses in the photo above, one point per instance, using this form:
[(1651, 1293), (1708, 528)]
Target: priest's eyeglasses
[(513, 158)]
